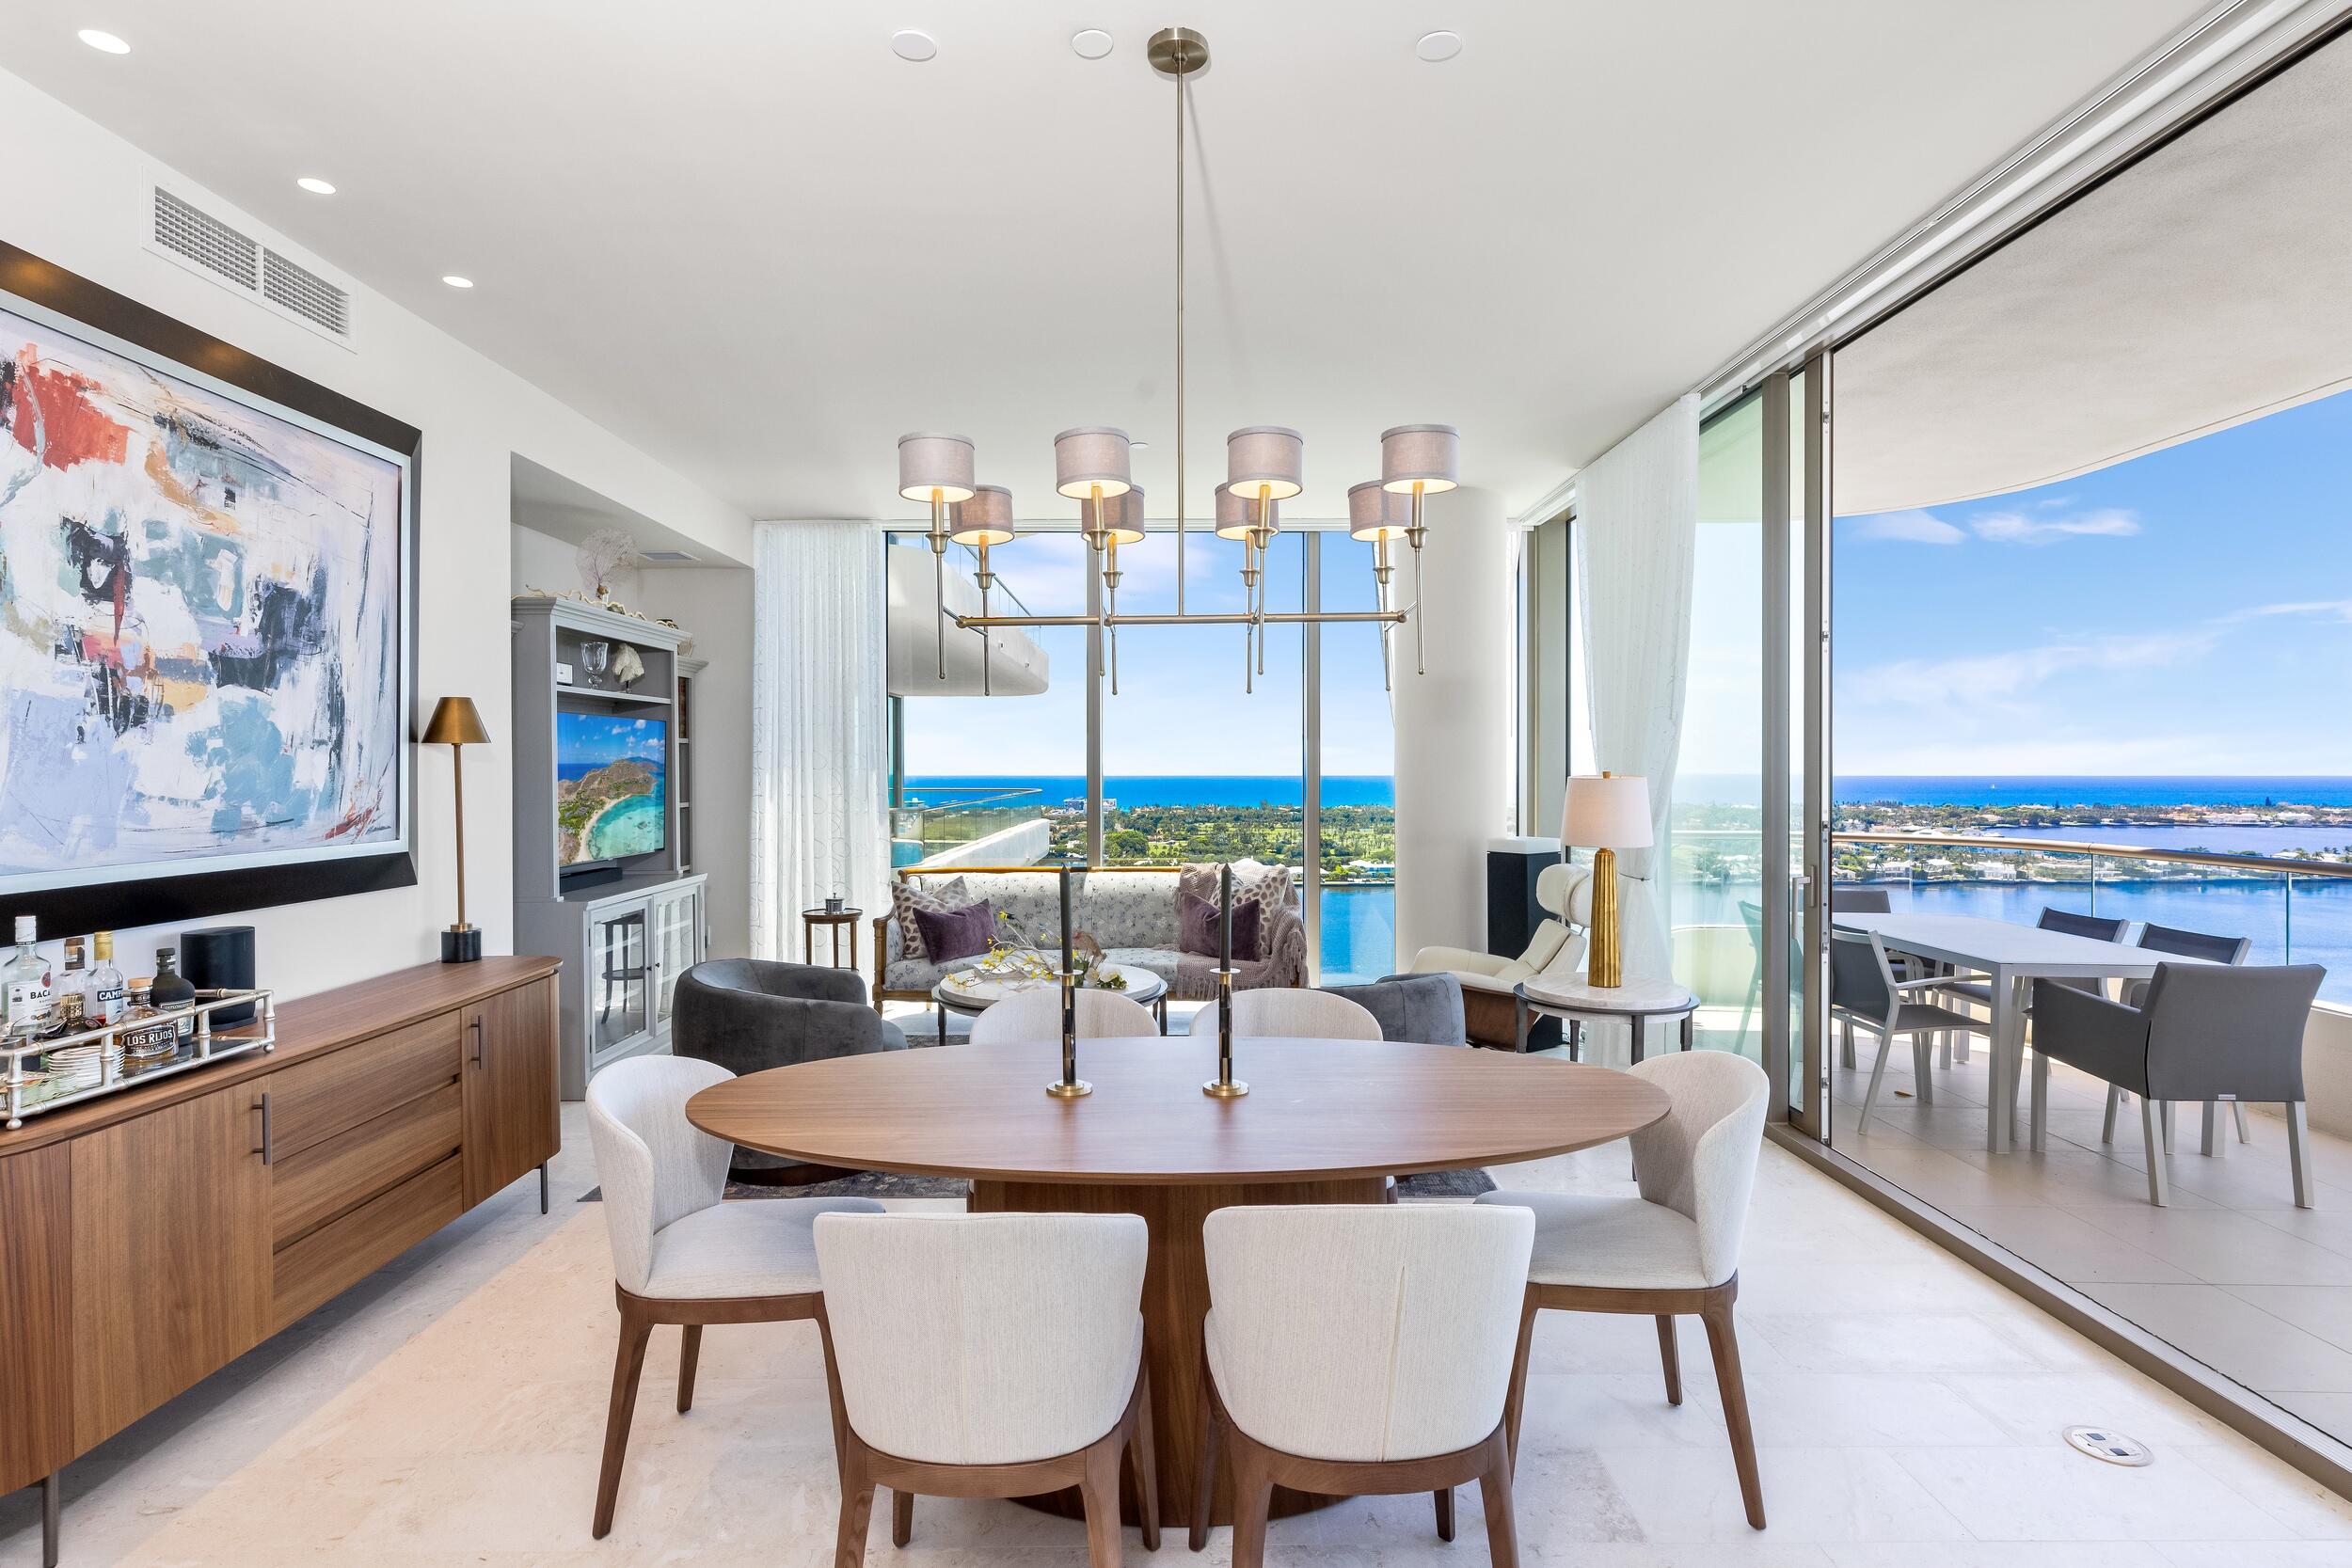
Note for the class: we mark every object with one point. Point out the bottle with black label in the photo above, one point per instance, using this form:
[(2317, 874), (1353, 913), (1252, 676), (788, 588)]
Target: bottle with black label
[(31, 996), (172, 990), (106, 996), (69, 988)]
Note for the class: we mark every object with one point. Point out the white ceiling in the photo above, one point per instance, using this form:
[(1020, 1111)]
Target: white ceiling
[(747, 238), (2203, 285)]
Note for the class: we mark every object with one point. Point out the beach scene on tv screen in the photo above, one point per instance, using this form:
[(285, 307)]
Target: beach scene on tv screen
[(609, 800)]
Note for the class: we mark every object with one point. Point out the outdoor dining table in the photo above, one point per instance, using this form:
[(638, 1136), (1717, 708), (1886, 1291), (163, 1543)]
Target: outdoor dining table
[(2012, 957)]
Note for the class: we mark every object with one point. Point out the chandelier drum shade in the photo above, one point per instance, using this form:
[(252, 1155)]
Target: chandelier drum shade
[(1265, 465)]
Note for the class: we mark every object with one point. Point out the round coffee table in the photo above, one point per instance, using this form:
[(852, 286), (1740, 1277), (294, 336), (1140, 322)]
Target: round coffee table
[(1635, 1002), (1143, 988), (1324, 1121)]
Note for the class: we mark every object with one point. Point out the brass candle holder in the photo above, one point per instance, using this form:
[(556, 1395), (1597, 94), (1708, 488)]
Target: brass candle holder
[(1224, 1086), (1069, 1086)]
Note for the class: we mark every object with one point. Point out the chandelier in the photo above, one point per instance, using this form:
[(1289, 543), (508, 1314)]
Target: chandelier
[(1264, 466)]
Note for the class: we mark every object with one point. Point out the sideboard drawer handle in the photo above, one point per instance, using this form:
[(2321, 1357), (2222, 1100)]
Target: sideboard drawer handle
[(477, 1041), (266, 1151)]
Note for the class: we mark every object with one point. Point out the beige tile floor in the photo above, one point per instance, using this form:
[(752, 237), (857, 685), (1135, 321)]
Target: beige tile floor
[(2231, 1271), (449, 1411)]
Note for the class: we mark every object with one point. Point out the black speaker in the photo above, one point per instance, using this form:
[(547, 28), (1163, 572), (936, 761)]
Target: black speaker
[(220, 957), (1511, 912)]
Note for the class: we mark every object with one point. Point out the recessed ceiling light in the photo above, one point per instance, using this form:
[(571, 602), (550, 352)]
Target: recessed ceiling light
[(1438, 46), (315, 185), (912, 46), (105, 43), (1091, 43), (1138, 444), (457, 282)]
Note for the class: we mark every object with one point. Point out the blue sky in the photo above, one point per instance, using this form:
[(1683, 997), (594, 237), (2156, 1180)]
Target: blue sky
[(1181, 708), (596, 738), (2188, 611)]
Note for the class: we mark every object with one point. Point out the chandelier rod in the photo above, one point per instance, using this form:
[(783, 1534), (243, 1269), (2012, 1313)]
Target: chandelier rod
[(1180, 334)]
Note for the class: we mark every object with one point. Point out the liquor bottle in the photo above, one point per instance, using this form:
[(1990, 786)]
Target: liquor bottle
[(172, 990), (31, 996), (69, 988), (106, 996)]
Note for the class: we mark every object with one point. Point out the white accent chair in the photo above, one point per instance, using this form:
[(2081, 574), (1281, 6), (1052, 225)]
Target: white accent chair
[(1354, 1350), (1556, 949), (1036, 1015), (679, 1254), (987, 1356), (1292, 1013), (1673, 1249)]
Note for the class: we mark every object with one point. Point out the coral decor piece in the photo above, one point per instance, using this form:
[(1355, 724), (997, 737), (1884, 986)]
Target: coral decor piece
[(602, 555), (200, 622)]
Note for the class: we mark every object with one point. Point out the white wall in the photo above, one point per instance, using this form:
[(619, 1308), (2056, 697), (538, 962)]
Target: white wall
[(79, 204), (1453, 776), (541, 560), (715, 604)]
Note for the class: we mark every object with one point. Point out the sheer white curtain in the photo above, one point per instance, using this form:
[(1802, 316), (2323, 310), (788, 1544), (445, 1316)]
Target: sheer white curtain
[(819, 725), (1637, 523)]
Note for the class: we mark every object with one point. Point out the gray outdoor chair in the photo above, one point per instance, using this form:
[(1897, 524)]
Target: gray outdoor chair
[(748, 1014), (2201, 1032), (1859, 900), (2188, 944), (1863, 990)]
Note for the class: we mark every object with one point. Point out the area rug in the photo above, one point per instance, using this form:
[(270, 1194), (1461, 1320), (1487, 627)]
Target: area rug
[(875, 1183)]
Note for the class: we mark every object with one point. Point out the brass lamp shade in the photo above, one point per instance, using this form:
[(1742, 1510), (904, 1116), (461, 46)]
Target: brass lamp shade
[(1606, 814), (985, 520), (454, 723)]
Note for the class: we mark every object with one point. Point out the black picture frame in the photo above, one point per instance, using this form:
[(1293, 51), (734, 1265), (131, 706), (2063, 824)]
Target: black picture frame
[(136, 900)]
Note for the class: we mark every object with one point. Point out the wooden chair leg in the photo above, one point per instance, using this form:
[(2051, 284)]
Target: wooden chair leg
[(1514, 1404), (1204, 1489), (1099, 1487), (902, 1517), (1144, 1464), (1443, 1500), (1670, 1355), (857, 1512), (689, 1353), (1724, 1340), (628, 1362), (1502, 1530), (1253, 1495)]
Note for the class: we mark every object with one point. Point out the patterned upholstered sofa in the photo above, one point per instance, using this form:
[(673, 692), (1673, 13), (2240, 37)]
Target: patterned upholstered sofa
[(1131, 910)]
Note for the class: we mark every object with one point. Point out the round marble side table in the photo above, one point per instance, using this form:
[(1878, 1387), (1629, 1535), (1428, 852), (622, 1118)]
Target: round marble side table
[(1636, 1002)]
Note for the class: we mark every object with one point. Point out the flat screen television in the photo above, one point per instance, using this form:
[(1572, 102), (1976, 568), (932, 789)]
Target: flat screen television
[(611, 787)]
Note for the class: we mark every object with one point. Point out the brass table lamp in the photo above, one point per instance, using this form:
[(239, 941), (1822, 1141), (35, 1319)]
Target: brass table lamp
[(1606, 814), (457, 725)]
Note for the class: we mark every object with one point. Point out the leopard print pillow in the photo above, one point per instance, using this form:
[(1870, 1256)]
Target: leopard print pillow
[(910, 894)]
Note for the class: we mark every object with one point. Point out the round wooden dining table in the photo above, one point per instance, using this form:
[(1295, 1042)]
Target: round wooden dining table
[(1324, 1121)]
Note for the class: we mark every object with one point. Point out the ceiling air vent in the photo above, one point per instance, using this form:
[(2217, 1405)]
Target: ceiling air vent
[(667, 558), (295, 287), (197, 236)]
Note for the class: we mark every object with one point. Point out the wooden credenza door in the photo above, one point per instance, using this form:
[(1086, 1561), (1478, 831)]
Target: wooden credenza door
[(172, 1255), (509, 1078)]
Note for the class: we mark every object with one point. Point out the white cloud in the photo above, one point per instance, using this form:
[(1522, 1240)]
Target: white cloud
[(1913, 527), (2016, 528), (2325, 610)]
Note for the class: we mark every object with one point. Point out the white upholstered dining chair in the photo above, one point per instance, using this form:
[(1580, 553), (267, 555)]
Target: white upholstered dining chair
[(1036, 1015), (1671, 1250), (1291, 1012), (679, 1254), (987, 1356), (1360, 1350)]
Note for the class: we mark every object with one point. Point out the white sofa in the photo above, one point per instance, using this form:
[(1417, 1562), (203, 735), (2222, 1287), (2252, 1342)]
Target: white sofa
[(1566, 891)]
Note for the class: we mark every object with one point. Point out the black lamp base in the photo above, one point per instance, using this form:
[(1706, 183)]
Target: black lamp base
[(461, 944)]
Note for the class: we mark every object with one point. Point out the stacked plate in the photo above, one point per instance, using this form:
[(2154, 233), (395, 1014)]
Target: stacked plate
[(80, 1067)]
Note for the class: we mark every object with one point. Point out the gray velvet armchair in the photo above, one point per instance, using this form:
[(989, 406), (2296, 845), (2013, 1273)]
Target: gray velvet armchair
[(2201, 1031), (748, 1015)]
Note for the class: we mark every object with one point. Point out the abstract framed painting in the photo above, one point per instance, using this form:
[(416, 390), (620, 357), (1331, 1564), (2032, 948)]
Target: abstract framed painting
[(206, 603)]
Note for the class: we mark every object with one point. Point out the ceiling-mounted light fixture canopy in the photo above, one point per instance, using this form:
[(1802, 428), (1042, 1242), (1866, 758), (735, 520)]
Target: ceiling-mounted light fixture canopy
[(1091, 460), (1119, 519), (985, 520), (1374, 511), (935, 467), (1423, 455), (1266, 462)]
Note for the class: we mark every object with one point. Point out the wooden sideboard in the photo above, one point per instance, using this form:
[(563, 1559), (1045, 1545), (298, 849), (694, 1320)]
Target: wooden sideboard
[(151, 1237)]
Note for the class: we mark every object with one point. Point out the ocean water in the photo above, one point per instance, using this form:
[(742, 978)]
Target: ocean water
[(628, 827)]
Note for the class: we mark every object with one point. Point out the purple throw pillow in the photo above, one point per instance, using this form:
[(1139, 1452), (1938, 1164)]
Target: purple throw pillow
[(1199, 918), (950, 934)]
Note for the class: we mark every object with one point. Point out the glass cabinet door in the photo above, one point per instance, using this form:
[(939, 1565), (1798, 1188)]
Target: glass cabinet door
[(677, 943), (619, 980)]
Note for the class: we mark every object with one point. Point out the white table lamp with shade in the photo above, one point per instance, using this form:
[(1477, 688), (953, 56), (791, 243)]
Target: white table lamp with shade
[(1606, 813)]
